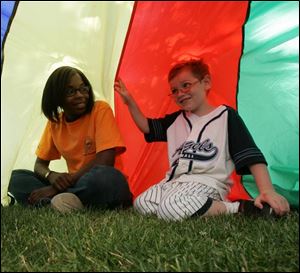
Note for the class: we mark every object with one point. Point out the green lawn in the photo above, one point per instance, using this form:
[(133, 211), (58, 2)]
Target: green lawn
[(44, 240)]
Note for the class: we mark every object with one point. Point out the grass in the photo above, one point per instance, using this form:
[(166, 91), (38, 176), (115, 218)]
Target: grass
[(44, 240)]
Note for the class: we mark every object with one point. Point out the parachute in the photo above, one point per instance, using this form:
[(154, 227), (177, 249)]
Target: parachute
[(252, 48)]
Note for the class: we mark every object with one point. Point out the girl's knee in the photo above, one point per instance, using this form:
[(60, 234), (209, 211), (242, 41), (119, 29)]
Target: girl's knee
[(103, 178), (18, 176), (103, 185)]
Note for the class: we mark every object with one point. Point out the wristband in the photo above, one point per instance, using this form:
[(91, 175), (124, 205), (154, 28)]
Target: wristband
[(47, 174)]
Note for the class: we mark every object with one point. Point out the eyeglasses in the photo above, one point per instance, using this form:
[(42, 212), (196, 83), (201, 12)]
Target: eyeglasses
[(72, 91), (184, 88)]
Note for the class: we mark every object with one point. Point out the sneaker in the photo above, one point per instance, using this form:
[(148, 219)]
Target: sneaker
[(248, 208), (12, 199), (66, 202)]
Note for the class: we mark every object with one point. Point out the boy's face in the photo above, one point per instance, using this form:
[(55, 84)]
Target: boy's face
[(188, 91)]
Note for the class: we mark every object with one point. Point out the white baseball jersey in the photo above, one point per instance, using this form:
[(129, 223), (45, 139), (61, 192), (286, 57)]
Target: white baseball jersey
[(203, 151)]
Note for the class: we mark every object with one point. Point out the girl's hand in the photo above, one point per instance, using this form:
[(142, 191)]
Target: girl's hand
[(61, 181), (44, 192)]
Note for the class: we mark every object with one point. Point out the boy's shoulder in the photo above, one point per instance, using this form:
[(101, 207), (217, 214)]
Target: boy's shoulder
[(229, 108), (174, 113), (231, 111)]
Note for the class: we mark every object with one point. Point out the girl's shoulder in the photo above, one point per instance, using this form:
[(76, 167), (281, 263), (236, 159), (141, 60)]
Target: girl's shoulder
[(100, 105)]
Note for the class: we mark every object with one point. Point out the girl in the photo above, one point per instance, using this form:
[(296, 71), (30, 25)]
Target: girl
[(85, 134)]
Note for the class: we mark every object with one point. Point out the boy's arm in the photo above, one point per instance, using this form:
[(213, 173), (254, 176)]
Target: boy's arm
[(137, 115), (266, 190)]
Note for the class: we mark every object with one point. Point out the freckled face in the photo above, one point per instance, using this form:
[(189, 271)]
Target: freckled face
[(75, 105), (193, 99)]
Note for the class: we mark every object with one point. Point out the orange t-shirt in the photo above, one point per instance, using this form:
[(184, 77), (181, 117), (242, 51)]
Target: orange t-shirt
[(79, 141)]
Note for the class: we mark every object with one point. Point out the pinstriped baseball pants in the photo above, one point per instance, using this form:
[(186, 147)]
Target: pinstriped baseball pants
[(175, 200)]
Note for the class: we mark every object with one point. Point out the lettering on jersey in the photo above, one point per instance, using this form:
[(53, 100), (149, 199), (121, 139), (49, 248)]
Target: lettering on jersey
[(201, 151)]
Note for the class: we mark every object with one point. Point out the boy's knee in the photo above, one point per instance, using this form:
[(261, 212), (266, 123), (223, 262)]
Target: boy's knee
[(143, 205), (137, 204)]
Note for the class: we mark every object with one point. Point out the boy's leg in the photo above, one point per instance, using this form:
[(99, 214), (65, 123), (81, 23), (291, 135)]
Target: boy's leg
[(23, 182), (248, 208), (184, 200), (103, 186), (245, 207)]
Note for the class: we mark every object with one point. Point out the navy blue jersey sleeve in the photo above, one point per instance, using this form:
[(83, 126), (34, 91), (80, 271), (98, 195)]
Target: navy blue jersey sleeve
[(242, 147), (158, 127)]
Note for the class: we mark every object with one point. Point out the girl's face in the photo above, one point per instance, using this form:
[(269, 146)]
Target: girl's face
[(76, 98), (188, 91)]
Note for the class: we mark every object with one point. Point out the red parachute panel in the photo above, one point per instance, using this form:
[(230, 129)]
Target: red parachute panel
[(161, 34)]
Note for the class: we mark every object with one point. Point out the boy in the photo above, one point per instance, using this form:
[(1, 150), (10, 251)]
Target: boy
[(205, 143)]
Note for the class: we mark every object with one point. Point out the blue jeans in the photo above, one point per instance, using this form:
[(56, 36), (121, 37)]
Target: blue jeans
[(101, 187)]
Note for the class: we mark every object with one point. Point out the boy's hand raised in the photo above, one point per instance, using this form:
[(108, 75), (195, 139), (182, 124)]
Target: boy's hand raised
[(121, 89), (137, 115)]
